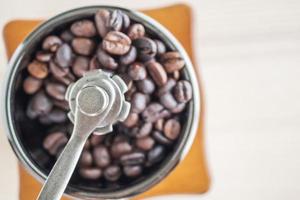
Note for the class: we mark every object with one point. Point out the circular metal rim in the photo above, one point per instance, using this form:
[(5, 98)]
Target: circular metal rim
[(190, 129)]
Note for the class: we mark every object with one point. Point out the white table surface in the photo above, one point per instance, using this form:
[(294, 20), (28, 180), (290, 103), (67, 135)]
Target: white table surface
[(249, 52)]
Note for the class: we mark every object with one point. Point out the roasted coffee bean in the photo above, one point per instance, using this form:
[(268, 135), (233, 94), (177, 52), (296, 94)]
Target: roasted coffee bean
[(55, 116), (102, 17), (168, 101), (179, 108), (167, 87), (138, 102), (129, 57), (120, 148), (172, 129), (96, 139), (135, 158), (83, 46), (67, 79), (101, 156), (64, 55), (136, 31), (137, 71), (43, 56), (157, 73), (61, 104), (146, 86), (94, 63), (116, 43), (127, 79), (90, 173), (183, 91), (159, 124), (131, 120), (115, 20), (106, 60), (57, 71), (160, 138), (41, 104), (154, 112), (80, 65), (176, 75), (144, 130), (120, 138), (145, 143), (132, 171), (86, 159), (112, 173), (146, 48), (155, 155), (38, 69), (67, 36), (161, 47), (56, 90), (87, 145), (83, 28), (31, 85), (51, 43), (130, 92), (55, 142), (172, 61), (126, 21)]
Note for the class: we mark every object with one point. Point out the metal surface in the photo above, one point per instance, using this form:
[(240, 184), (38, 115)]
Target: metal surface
[(97, 102), (181, 148)]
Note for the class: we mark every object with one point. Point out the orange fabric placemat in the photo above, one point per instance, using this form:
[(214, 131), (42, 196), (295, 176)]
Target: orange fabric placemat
[(191, 175)]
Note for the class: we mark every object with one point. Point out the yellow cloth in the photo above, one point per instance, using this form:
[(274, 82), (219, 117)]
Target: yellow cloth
[(190, 176)]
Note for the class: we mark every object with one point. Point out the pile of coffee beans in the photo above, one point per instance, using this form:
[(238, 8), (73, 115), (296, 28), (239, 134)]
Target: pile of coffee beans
[(158, 93)]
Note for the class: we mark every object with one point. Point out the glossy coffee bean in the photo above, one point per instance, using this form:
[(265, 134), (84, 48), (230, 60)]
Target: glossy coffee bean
[(106, 60), (83, 46), (40, 104), (67, 36), (95, 139), (55, 116), (161, 138), (183, 91), (179, 108), (31, 85), (145, 143), (64, 105), (56, 90), (131, 120), (115, 21), (57, 71), (90, 173), (80, 65), (146, 48), (54, 142), (136, 31), (137, 71), (102, 17), (172, 61), (157, 73), (83, 28), (154, 112), (43, 56), (132, 171), (67, 79), (101, 156), (135, 158), (86, 159), (161, 47), (116, 43), (112, 173), (172, 129), (159, 124), (138, 102), (94, 63), (38, 69), (146, 86), (51, 43), (129, 57), (167, 87), (155, 155), (64, 55), (168, 101), (126, 22), (144, 130), (120, 148)]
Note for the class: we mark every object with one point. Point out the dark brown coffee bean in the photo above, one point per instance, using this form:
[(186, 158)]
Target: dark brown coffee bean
[(172, 61), (80, 65), (135, 158), (167, 87), (160, 138), (116, 43), (154, 112), (51, 43), (183, 91), (131, 120), (61, 104), (146, 86), (83, 46), (129, 57), (67, 36), (161, 47), (96, 139), (102, 17), (58, 71), (159, 124), (94, 63), (138, 102), (136, 31), (120, 148), (43, 56), (31, 85), (90, 173), (115, 20), (157, 73), (38, 69), (146, 48), (155, 155), (86, 159), (126, 21), (41, 104), (144, 130), (127, 79), (64, 55), (112, 173), (54, 142), (120, 138), (168, 101), (176, 75), (133, 171), (106, 60), (172, 129), (56, 90), (101, 156), (55, 116), (67, 79), (83, 28), (179, 108), (145, 143), (137, 71)]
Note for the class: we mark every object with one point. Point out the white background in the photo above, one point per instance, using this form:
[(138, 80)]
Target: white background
[(249, 53)]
